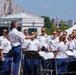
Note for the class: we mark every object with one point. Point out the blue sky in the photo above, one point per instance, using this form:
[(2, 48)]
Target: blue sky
[(65, 9)]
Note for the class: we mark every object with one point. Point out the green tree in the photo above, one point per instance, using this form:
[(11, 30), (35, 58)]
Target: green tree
[(53, 28), (48, 31), (63, 27), (47, 22)]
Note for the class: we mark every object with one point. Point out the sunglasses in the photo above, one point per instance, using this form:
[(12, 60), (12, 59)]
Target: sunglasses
[(32, 34), (72, 32), (4, 31), (42, 31)]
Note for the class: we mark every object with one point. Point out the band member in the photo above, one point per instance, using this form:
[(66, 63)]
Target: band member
[(4, 33), (5, 47), (65, 34), (54, 40), (44, 41), (16, 38), (25, 32), (71, 45), (59, 32), (74, 34), (60, 54), (32, 45)]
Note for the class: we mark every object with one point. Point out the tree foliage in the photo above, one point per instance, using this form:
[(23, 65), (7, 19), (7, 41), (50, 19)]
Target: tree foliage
[(47, 22), (48, 31), (63, 27), (53, 28)]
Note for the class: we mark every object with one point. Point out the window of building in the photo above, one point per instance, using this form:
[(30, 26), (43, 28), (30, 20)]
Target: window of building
[(31, 30)]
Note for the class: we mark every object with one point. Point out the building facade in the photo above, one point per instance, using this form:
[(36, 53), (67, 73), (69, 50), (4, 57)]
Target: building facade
[(25, 21), (70, 22)]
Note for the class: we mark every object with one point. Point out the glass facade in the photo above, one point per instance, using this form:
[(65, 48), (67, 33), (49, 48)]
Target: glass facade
[(31, 30), (1, 29)]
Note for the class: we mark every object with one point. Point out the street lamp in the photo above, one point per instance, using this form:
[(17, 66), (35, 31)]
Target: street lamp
[(8, 23), (33, 25), (57, 21)]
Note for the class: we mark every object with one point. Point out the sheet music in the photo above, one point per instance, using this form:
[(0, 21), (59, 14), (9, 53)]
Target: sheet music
[(69, 53), (74, 51), (46, 55), (42, 53)]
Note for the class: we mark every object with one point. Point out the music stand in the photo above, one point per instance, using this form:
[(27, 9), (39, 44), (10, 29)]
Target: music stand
[(47, 56), (32, 55)]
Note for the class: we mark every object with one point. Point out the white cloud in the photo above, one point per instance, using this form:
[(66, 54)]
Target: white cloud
[(45, 6)]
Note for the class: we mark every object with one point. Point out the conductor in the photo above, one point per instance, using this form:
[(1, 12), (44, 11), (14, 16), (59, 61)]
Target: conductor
[(16, 38)]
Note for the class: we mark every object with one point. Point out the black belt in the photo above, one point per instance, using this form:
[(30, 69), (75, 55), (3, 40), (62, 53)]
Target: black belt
[(4, 53)]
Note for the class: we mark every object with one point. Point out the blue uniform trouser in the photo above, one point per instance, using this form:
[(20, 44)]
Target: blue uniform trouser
[(6, 65), (16, 51), (29, 66), (61, 65)]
